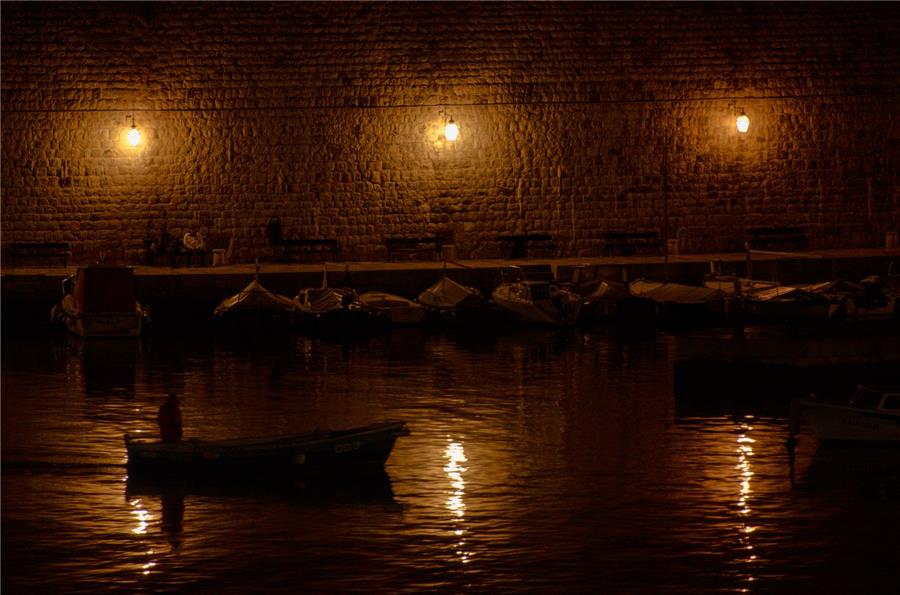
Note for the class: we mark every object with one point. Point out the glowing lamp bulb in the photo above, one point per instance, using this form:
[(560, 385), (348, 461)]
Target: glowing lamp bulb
[(134, 136), (451, 131), (743, 122)]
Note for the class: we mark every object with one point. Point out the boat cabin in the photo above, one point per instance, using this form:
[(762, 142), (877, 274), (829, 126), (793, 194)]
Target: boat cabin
[(885, 399), (103, 288)]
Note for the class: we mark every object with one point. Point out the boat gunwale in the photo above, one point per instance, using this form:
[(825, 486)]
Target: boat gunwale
[(310, 439)]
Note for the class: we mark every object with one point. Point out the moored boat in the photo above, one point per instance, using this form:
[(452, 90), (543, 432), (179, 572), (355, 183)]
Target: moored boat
[(98, 302), (394, 308), (677, 303), (732, 285), (872, 416), (604, 302), (327, 309), (870, 299), (322, 452), (536, 301), (450, 300), (256, 307), (792, 304)]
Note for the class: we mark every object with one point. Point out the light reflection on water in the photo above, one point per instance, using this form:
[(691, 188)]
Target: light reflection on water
[(539, 461), (456, 459)]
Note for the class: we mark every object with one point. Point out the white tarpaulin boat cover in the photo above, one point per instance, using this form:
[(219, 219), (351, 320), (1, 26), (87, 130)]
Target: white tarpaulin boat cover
[(255, 297), (674, 292), (447, 293)]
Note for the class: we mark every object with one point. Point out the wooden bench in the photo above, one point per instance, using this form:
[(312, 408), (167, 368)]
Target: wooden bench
[(776, 238), (414, 247), (40, 251), (315, 247), (520, 245), (631, 242)]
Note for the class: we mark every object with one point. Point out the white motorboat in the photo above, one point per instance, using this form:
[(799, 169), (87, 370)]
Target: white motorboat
[(872, 416), (536, 301)]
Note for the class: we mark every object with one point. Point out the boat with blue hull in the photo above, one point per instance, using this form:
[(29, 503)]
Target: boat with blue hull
[(318, 452)]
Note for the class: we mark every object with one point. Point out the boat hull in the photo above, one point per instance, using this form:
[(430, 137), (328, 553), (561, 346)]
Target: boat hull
[(98, 302), (396, 309), (840, 424), (791, 310), (519, 305), (358, 449), (103, 325)]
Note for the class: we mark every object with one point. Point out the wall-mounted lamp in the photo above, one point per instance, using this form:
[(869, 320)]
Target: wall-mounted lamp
[(743, 122), (451, 129), (134, 135)]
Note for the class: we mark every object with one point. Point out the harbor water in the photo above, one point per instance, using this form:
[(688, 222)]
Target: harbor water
[(539, 461)]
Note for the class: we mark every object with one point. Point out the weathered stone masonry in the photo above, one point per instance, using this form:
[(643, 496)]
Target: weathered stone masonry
[(328, 115)]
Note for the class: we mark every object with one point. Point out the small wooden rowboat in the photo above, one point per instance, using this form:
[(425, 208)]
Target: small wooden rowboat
[(313, 452)]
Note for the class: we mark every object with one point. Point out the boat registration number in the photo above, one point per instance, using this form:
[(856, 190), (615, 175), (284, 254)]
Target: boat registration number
[(347, 447)]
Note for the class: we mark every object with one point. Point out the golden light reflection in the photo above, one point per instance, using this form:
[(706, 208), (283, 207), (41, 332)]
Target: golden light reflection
[(744, 510), (455, 468), (142, 515)]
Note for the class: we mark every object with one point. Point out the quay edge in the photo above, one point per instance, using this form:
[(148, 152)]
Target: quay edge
[(29, 292)]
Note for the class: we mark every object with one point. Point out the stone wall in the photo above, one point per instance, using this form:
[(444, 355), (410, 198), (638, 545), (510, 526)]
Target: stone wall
[(575, 118)]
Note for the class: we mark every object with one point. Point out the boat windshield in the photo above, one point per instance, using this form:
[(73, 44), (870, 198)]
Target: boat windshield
[(512, 274), (68, 284), (866, 399), (891, 403)]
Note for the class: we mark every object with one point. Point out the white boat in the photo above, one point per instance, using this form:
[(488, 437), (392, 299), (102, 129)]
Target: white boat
[(536, 301), (98, 302), (397, 309), (872, 416), (448, 300), (447, 294)]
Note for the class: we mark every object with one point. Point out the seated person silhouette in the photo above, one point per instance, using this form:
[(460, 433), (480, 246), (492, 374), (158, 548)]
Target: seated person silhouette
[(169, 418)]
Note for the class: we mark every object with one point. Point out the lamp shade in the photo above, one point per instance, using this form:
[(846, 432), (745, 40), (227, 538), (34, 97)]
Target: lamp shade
[(451, 130), (743, 122), (134, 136)]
